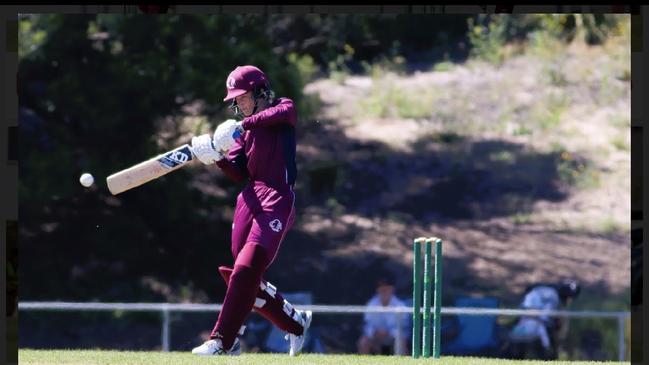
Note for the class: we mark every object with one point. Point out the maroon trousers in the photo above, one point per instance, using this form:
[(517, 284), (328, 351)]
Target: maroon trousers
[(262, 217)]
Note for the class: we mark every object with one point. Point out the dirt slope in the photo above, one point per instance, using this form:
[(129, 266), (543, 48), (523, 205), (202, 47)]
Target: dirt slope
[(522, 169)]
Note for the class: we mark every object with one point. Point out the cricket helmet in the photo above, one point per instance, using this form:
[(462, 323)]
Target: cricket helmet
[(244, 79)]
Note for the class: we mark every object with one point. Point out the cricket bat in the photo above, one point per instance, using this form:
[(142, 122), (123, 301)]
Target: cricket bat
[(149, 170)]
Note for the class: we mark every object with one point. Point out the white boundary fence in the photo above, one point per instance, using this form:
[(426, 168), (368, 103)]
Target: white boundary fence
[(166, 308)]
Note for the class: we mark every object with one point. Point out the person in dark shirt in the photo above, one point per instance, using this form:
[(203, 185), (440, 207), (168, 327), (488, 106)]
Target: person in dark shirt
[(260, 148)]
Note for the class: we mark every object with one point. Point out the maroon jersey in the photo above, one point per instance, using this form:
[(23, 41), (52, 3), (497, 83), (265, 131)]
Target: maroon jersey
[(266, 151)]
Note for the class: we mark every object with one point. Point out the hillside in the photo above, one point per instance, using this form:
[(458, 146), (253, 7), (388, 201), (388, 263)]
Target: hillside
[(523, 169)]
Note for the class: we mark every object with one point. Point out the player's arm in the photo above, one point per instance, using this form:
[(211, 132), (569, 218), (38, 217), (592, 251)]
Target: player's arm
[(234, 165), (368, 319), (283, 112), (225, 148)]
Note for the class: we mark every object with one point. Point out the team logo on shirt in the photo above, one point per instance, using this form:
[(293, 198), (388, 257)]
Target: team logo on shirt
[(230, 83), (275, 225)]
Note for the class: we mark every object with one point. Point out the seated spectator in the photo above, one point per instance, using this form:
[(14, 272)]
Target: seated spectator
[(384, 333)]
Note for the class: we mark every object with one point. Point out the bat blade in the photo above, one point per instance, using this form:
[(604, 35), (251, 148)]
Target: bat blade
[(151, 169)]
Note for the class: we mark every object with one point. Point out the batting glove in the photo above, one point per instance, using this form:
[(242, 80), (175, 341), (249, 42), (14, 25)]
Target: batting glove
[(203, 148), (226, 134)]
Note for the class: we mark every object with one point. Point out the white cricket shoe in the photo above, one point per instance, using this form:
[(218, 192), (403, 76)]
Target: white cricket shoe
[(297, 342), (215, 347)]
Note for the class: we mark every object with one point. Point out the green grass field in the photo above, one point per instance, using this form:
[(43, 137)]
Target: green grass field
[(87, 357)]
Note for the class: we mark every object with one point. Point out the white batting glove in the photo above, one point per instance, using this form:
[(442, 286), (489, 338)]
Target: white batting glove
[(203, 148), (226, 134)]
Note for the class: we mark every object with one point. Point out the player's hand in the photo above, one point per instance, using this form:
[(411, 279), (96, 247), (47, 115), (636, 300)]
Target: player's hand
[(203, 148), (226, 134)]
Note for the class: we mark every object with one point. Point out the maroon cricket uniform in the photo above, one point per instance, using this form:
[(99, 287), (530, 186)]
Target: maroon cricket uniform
[(265, 155)]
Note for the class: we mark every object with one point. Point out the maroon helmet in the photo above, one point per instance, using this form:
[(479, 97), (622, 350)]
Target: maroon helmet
[(244, 79)]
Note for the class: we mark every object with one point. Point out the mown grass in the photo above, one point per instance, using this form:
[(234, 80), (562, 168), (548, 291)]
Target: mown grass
[(97, 357)]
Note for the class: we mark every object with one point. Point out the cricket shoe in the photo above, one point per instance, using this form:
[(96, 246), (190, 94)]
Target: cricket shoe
[(297, 342), (215, 347)]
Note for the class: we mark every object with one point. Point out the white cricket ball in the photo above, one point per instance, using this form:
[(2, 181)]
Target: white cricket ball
[(86, 179)]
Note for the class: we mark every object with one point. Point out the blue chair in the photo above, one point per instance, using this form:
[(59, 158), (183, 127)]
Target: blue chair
[(477, 335)]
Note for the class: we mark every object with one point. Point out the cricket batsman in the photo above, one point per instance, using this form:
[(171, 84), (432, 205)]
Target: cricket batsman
[(261, 149)]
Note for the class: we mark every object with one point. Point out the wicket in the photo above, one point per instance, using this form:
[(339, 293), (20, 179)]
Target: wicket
[(423, 347)]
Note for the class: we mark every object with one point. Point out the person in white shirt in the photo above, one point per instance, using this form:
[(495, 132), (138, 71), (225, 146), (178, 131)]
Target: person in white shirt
[(384, 333), (546, 330)]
